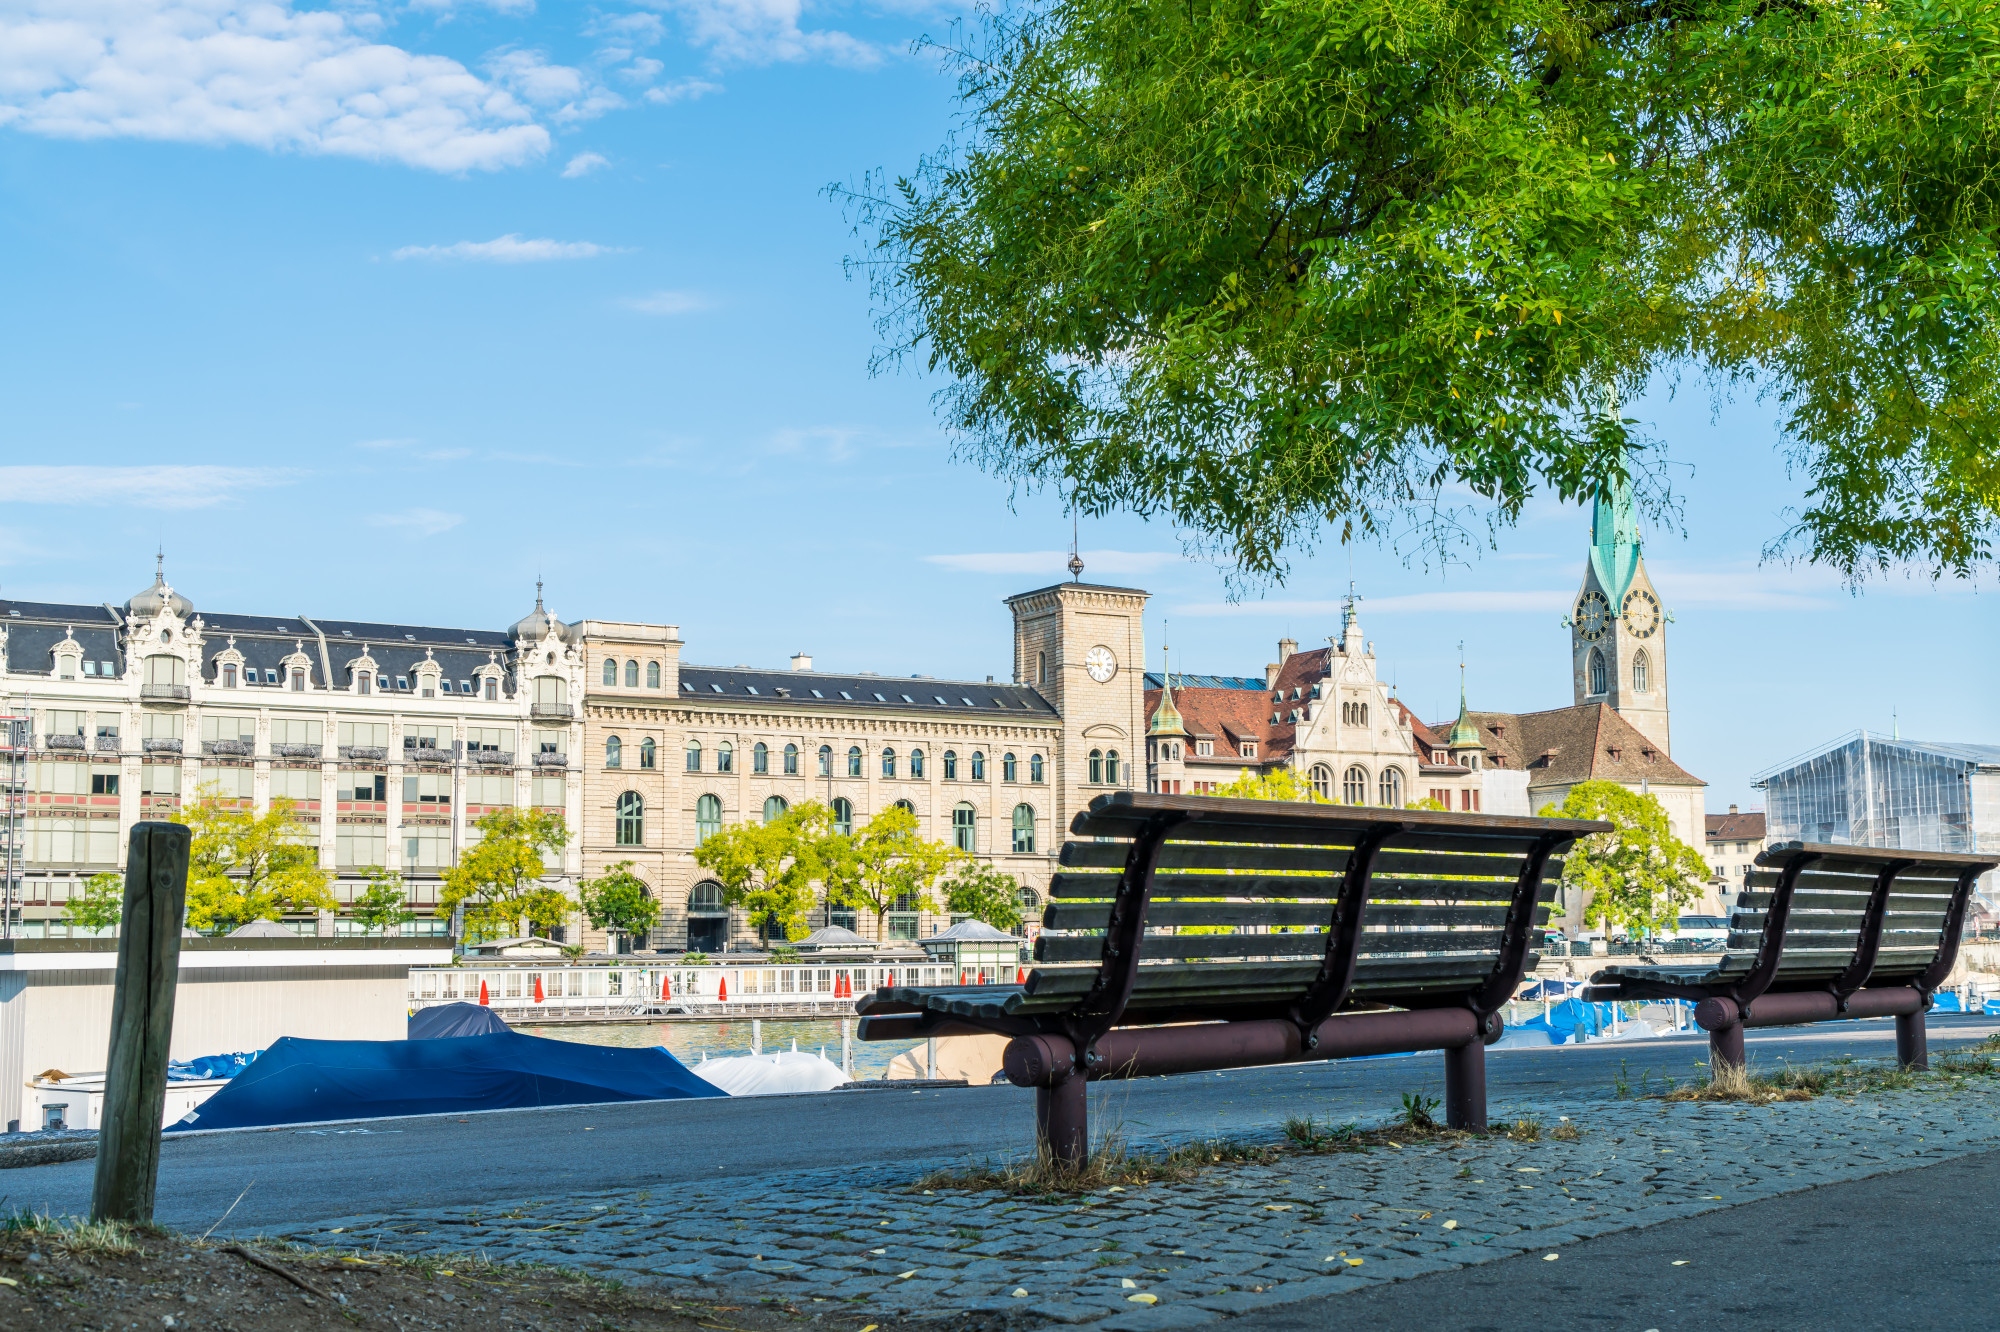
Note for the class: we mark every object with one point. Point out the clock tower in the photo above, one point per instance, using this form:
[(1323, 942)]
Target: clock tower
[(1618, 628), (1083, 647)]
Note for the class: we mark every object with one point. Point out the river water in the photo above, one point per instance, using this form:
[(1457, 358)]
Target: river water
[(689, 1041)]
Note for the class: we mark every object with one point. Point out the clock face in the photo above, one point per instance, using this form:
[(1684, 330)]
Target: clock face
[(1642, 614), (1593, 616), (1100, 663)]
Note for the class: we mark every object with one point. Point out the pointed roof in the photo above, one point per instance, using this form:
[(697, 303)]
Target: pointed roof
[(1166, 717), (1614, 541)]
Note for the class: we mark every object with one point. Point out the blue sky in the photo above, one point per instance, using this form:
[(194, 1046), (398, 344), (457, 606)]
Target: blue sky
[(380, 310)]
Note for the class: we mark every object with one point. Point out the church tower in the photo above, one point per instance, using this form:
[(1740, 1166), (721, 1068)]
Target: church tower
[(1618, 629)]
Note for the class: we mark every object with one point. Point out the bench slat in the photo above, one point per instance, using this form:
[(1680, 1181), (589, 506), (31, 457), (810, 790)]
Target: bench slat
[(1391, 915), (1100, 888), (1327, 860), (1162, 947)]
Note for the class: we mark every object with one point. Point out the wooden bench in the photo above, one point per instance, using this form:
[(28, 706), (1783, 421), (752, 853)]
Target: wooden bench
[(1823, 932), (1187, 933)]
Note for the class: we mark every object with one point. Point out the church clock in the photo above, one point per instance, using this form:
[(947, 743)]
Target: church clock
[(1593, 616), (1642, 613)]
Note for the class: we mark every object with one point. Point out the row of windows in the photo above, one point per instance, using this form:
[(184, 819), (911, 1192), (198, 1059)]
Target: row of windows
[(614, 752), (914, 763), (631, 672), (1354, 786), (1103, 767), (1642, 673), (708, 820)]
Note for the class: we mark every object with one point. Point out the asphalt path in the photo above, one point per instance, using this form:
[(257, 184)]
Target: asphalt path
[(1910, 1250), (285, 1176)]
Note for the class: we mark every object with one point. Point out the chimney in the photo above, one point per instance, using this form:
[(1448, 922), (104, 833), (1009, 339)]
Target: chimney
[(1271, 670), (1732, 809), (1286, 647), (802, 661)]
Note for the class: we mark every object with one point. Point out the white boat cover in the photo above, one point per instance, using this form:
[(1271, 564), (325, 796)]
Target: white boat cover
[(771, 1074)]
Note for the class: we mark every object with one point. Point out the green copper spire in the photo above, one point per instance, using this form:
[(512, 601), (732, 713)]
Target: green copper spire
[(1464, 735), (1166, 717), (1614, 541)]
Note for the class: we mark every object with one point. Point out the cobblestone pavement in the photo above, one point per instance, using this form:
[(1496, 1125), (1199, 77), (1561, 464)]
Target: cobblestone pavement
[(1234, 1238)]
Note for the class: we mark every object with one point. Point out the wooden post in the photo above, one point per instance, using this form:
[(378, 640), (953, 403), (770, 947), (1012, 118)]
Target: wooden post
[(142, 1023)]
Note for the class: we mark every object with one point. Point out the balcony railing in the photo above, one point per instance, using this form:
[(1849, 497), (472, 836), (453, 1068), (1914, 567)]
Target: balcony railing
[(552, 760), (74, 742), (161, 745), (425, 754), (557, 711), (492, 758), (295, 751), (163, 693), (107, 744), (231, 748), (370, 753)]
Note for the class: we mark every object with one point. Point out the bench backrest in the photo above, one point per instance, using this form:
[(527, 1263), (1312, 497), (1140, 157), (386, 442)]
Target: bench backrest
[(1243, 913), (1851, 915)]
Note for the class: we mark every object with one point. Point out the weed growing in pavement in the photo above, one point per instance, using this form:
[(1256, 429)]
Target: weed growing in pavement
[(1525, 1129), (1111, 1165), (1842, 1076), (1621, 1081), (79, 1237), (1417, 1109)]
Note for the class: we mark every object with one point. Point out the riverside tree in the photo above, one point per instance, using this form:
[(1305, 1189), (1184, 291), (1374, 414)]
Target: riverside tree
[(982, 892), (1275, 784), (380, 908), (769, 869), (886, 865), (99, 906), (245, 866), (619, 900), (499, 878), (1638, 876), (1278, 270)]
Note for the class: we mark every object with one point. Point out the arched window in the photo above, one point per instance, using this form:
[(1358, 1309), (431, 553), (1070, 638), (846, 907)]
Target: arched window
[(1354, 786), (888, 763), (1322, 780), (652, 675), (906, 806), (1035, 768), (1024, 830), (854, 760), (631, 675), (916, 763), (614, 752), (707, 819), (951, 765), (1041, 668), (649, 753), (791, 760), (1096, 767), (760, 757), (965, 829), (1009, 771), (611, 670), (774, 808), (826, 760), (1111, 767), (632, 819), (1596, 671), (1391, 787), (694, 756), (843, 816), (705, 899), (1641, 673), (978, 766), (725, 757)]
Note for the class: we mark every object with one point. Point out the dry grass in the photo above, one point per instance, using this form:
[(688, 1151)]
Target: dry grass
[(1111, 1166), (1839, 1077), (80, 1238)]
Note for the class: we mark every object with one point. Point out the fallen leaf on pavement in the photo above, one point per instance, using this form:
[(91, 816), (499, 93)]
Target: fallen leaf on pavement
[(1144, 1297)]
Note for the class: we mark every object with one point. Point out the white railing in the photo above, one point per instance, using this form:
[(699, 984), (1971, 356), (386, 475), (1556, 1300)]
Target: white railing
[(670, 989)]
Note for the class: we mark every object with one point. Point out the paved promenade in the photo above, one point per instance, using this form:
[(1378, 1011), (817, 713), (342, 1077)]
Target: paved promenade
[(1233, 1240)]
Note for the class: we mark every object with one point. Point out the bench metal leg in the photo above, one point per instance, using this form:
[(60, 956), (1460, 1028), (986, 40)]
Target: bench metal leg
[(1725, 1046), (1465, 1087), (1062, 1124), (1912, 1042)]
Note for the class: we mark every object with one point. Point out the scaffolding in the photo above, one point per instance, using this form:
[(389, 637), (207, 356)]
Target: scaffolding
[(16, 735)]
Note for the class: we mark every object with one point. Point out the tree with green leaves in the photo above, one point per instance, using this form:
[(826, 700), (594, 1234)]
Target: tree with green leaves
[(769, 869), (498, 879), (1274, 784), (1635, 878), (982, 892), (619, 900), (886, 865), (100, 905), (381, 907), (1280, 271), (245, 866)]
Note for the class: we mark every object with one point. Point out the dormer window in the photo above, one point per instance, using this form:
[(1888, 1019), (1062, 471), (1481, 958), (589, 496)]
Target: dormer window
[(492, 690), (298, 679), (229, 675), (1204, 749), (1246, 749), (403, 684)]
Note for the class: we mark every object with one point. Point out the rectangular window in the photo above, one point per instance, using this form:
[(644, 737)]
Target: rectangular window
[(427, 788), (549, 793), (1204, 748), (902, 925), (64, 723), (295, 783), (492, 691), (356, 846), (489, 788), (296, 731), (426, 848), (222, 727), (104, 783), (361, 734), (488, 740), (227, 783), (229, 675), (160, 779), (365, 787), (427, 742)]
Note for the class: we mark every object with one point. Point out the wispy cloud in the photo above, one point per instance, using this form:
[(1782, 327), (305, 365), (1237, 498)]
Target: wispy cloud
[(766, 32), (417, 522), (512, 248), (260, 73), (681, 90), (1054, 562), (161, 486), (583, 164), (667, 303)]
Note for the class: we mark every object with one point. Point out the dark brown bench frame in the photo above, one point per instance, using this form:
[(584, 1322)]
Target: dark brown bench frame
[(1058, 1053), (1763, 996)]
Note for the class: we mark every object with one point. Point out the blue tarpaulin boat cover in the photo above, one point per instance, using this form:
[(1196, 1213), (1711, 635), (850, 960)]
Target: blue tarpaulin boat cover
[(443, 1020), (299, 1081)]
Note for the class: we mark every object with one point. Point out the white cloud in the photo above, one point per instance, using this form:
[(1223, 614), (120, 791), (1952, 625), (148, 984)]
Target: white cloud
[(563, 92), (1054, 562), (583, 164), (766, 32), (501, 6), (163, 486), (643, 70), (667, 303), (257, 72), (509, 249), (645, 29), (418, 522), (681, 90)]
